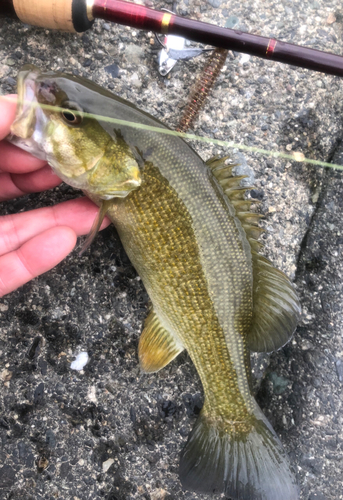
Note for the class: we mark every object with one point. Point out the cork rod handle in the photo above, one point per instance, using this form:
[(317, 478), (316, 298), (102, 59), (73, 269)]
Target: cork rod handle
[(66, 15)]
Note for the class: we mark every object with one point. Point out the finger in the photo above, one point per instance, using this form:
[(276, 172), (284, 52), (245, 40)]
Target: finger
[(35, 257), (8, 189), (77, 214), (8, 105), (13, 159), (16, 160), (14, 185)]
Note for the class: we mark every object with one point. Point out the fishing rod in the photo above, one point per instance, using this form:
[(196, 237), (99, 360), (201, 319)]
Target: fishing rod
[(78, 16)]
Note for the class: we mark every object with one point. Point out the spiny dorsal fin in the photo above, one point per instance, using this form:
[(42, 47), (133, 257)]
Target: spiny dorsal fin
[(157, 347), (220, 169), (255, 245), (276, 307), (232, 182), (231, 185), (252, 231), (250, 218), (243, 206), (218, 162)]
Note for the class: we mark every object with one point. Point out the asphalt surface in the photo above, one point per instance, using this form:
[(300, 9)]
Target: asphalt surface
[(111, 432)]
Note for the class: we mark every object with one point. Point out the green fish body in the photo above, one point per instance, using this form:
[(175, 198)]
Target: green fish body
[(188, 231)]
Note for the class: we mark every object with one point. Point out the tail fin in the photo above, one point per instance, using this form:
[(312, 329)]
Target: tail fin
[(245, 466)]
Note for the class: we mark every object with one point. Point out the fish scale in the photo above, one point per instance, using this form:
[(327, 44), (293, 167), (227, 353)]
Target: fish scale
[(225, 263), (163, 280)]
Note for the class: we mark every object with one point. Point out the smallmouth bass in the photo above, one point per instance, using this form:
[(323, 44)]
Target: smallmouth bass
[(187, 229)]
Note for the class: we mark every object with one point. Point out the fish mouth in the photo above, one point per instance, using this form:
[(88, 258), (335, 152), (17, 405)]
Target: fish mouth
[(27, 129)]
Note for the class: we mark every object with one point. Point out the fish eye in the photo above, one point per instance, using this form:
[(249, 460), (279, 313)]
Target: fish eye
[(72, 115)]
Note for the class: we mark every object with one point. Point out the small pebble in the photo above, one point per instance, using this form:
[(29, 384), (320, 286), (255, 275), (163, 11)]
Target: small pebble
[(331, 18), (106, 465), (339, 369), (231, 22), (215, 3), (113, 70), (80, 361)]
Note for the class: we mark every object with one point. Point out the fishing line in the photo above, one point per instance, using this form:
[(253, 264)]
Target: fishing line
[(295, 156)]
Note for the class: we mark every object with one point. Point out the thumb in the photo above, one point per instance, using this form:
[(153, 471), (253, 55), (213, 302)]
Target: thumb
[(8, 105)]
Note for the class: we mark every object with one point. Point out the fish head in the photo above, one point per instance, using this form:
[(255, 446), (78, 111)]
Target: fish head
[(54, 122)]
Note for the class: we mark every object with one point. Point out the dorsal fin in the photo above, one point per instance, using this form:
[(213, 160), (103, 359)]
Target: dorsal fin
[(252, 231), (231, 186), (157, 347), (232, 182), (243, 205), (249, 217), (255, 245), (218, 163), (236, 194), (276, 306)]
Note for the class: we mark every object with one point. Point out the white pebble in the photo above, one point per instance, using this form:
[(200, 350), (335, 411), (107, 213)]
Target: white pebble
[(106, 465), (80, 361), (244, 58)]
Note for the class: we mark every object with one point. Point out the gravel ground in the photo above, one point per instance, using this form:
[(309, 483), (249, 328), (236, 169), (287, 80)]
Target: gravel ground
[(111, 432)]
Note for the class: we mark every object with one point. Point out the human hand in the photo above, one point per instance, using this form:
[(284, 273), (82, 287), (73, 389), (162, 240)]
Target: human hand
[(33, 242)]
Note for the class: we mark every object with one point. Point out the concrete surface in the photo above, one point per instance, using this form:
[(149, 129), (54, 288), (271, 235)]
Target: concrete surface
[(110, 432)]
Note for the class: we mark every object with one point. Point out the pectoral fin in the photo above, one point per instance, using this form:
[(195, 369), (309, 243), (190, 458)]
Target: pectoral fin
[(157, 347), (96, 225)]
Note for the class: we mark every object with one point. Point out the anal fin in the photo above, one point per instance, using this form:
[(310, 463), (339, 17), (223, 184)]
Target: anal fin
[(157, 347)]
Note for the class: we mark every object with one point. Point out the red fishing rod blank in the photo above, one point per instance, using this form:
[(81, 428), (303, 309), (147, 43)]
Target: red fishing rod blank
[(78, 15)]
